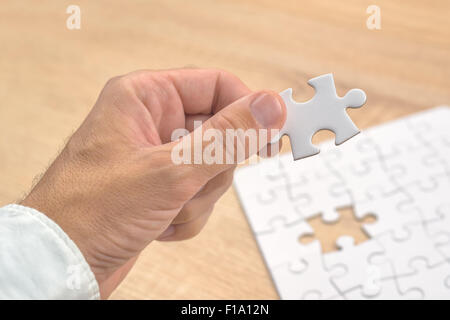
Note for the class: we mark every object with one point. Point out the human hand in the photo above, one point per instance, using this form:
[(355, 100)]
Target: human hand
[(115, 187)]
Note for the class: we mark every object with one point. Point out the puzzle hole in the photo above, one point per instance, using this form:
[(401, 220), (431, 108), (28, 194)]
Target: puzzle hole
[(347, 225), (322, 135)]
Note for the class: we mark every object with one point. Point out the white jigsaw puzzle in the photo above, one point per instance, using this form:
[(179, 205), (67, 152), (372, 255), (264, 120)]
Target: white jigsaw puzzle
[(399, 172), (326, 110)]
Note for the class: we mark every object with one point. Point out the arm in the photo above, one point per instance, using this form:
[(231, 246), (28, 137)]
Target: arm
[(115, 187)]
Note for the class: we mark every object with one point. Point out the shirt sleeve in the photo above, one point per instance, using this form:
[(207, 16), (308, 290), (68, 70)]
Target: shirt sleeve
[(39, 261)]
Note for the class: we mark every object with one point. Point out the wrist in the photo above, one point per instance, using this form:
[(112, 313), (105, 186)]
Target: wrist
[(49, 202)]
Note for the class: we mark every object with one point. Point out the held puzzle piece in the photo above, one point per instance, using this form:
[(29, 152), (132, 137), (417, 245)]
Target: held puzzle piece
[(324, 111), (398, 172)]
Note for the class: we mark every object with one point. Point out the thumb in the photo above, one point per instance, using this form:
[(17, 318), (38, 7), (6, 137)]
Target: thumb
[(235, 133)]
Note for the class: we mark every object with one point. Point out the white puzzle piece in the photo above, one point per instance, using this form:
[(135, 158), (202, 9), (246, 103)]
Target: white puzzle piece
[(398, 133), (355, 260), (441, 225), (432, 282), (388, 290), (271, 204), (439, 230), (427, 197), (382, 206), (286, 237), (402, 252), (431, 125), (415, 166), (268, 196), (309, 282), (444, 248), (363, 181), (320, 201), (324, 111)]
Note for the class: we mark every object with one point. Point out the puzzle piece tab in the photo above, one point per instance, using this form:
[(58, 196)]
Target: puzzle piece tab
[(324, 111), (388, 291), (309, 282), (402, 252), (383, 206), (433, 283), (396, 176), (355, 260), (287, 237)]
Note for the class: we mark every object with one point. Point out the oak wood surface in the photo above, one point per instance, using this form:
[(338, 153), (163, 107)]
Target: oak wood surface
[(50, 77)]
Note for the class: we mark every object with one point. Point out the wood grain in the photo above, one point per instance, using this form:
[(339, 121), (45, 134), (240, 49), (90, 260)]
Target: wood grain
[(50, 77)]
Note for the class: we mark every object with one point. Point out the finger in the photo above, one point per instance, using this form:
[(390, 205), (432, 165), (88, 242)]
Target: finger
[(247, 120), (218, 185), (188, 167), (201, 91), (192, 121), (170, 95), (206, 197), (187, 230), (192, 210), (271, 149)]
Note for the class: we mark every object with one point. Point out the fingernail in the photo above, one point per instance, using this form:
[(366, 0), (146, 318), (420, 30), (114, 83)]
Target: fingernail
[(167, 233), (266, 109)]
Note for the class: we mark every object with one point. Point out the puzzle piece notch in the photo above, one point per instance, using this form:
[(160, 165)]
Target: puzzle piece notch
[(412, 169), (430, 125), (388, 290), (433, 282), (274, 202), (360, 149), (428, 198), (356, 260), (326, 110), (385, 207), (310, 281), (401, 252), (302, 266), (322, 202), (312, 169), (382, 289), (256, 177), (363, 182), (439, 230), (441, 225), (287, 237)]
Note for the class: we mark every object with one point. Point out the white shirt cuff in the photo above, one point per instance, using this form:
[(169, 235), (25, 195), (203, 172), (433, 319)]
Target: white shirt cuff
[(38, 260)]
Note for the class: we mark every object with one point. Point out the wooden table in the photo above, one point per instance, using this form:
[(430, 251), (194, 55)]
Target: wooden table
[(50, 77)]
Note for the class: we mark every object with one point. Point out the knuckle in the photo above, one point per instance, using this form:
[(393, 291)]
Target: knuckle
[(194, 228), (228, 177), (188, 213), (223, 182), (120, 83), (224, 74), (183, 179), (226, 121), (189, 180), (222, 122), (112, 81)]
